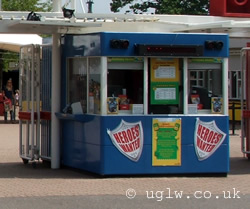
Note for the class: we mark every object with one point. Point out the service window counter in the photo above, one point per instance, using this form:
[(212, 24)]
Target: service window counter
[(145, 103)]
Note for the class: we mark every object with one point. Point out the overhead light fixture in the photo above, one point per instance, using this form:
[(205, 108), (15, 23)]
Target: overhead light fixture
[(68, 13), (34, 16)]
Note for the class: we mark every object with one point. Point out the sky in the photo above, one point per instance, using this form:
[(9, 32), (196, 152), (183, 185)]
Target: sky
[(99, 6)]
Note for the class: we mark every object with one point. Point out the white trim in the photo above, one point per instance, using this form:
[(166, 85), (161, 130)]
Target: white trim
[(145, 86), (225, 85), (104, 89), (185, 86), (15, 22)]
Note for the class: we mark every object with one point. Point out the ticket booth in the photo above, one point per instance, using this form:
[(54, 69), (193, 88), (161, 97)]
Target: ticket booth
[(145, 103)]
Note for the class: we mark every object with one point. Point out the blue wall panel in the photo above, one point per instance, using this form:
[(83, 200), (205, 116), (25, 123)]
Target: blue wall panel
[(89, 148), (98, 44)]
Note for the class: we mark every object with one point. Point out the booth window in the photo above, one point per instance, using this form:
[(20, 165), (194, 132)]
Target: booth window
[(125, 86), (94, 66), (77, 82), (83, 84), (205, 86), (235, 82)]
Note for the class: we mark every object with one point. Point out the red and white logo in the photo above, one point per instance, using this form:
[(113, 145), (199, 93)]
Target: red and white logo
[(208, 138), (128, 139)]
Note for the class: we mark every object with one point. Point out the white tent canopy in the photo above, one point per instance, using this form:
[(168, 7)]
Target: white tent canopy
[(13, 42)]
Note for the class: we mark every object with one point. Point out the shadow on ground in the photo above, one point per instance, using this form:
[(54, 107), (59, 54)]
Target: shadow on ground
[(41, 171), (238, 166)]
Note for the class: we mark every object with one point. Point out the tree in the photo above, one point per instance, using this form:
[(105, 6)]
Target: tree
[(27, 5), (19, 5), (188, 7)]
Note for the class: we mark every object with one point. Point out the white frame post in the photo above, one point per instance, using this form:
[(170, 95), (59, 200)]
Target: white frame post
[(225, 85), (185, 86), (55, 102)]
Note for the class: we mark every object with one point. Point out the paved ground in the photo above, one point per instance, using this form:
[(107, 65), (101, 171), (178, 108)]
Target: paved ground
[(22, 186)]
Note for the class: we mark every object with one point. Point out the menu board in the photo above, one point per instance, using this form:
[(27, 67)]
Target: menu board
[(164, 83), (164, 93), (165, 72), (166, 149), (164, 69)]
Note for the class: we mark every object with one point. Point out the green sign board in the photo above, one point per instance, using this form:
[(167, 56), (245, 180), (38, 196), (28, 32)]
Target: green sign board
[(167, 144), (164, 92)]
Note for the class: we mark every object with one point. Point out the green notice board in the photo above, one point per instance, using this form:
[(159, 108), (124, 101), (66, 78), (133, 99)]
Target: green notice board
[(167, 144), (166, 149), (165, 93)]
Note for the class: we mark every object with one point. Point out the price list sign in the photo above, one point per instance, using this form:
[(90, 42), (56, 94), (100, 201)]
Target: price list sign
[(164, 85), (164, 93), (166, 70)]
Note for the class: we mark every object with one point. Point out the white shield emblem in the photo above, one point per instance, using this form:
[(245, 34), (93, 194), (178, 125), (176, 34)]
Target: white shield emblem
[(207, 139), (128, 139)]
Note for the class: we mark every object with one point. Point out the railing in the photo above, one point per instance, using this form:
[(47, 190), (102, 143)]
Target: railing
[(233, 120)]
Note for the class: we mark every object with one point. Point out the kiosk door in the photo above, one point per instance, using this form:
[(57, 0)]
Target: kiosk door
[(29, 115)]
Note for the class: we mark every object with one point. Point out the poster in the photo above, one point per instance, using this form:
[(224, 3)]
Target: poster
[(128, 138), (166, 145), (112, 105), (216, 105), (208, 137)]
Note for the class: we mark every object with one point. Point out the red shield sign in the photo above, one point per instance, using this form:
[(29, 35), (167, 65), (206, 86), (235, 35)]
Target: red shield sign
[(128, 139), (208, 138)]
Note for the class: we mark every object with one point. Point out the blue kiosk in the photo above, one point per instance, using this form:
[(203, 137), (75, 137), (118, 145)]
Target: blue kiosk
[(145, 103)]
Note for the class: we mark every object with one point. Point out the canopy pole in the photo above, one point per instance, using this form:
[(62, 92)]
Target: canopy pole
[(56, 6), (55, 102)]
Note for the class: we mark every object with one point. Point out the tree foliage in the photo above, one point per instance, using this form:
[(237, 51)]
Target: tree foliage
[(8, 57), (27, 5), (20, 5), (188, 7)]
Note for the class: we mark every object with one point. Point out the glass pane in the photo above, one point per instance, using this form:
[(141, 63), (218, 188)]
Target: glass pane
[(200, 74), (127, 85), (239, 89), (193, 83), (77, 82), (193, 75), (239, 75), (207, 87), (94, 85)]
